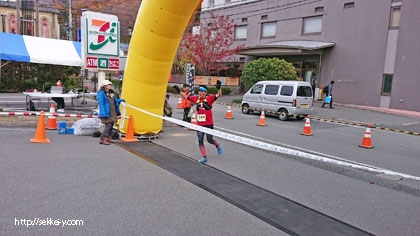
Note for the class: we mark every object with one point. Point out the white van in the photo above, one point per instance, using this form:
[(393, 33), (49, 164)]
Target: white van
[(286, 97)]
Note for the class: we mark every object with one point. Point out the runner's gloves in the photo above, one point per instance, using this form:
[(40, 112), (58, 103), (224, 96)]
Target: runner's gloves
[(218, 84)]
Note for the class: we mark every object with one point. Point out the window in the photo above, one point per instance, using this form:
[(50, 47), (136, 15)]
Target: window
[(244, 20), (240, 32), (271, 89), (211, 3), (349, 5), (395, 17), (227, 1), (264, 17), (312, 25), (304, 91), (213, 34), (196, 30), (319, 9), (387, 84), (268, 29), (257, 89), (286, 91)]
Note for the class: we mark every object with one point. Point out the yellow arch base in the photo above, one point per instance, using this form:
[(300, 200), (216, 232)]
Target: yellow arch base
[(157, 33)]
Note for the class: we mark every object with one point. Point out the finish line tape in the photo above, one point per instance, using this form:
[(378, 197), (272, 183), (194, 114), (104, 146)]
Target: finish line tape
[(273, 148), (45, 114)]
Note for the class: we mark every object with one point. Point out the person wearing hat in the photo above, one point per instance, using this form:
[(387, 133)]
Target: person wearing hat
[(108, 110), (205, 116), (186, 104)]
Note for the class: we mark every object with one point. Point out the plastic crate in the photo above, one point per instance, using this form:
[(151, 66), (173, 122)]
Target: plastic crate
[(62, 130), (70, 131), (62, 124)]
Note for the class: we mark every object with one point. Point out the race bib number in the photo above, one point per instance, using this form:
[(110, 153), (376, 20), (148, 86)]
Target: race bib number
[(201, 117)]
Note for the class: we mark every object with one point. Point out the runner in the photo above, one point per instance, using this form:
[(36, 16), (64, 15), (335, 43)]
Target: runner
[(204, 115)]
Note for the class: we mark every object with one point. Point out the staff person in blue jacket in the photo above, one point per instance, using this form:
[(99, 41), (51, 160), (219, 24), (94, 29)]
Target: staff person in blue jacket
[(108, 110)]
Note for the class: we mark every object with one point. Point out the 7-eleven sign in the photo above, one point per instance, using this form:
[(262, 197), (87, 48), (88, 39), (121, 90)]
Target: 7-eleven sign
[(100, 40)]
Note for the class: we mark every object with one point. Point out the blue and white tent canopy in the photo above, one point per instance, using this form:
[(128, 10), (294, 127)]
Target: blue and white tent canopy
[(25, 48)]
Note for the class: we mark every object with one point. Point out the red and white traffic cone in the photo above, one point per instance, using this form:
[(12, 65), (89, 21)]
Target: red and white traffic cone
[(52, 121), (229, 113), (367, 139), (193, 119), (261, 122), (180, 103), (307, 128)]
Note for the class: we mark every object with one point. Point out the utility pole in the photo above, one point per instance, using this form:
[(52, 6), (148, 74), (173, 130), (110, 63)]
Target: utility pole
[(70, 23), (37, 22), (18, 16)]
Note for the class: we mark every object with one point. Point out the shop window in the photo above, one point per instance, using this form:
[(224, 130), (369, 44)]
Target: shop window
[(211, 3), (268, 29), (241, 32), (312, 25), (387, 84)]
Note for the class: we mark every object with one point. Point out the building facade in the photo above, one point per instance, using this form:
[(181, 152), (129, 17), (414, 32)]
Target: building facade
[(45, 25), (369, 48)]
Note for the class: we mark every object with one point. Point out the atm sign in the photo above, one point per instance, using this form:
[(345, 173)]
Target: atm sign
[(91, 62)]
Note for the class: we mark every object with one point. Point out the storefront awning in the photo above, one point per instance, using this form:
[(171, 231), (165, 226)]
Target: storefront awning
[(25, 48), (302, 47)]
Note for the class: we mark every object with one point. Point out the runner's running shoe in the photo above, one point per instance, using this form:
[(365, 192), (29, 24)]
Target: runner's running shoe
[(219, 149), (203, 160)]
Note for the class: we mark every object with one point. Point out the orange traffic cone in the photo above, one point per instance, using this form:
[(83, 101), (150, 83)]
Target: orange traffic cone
[(129, 135), (180, 103), (52, 121), (262, 119), (307, 128), (193, 119), (367, 139), (40, 136), (229, 113)]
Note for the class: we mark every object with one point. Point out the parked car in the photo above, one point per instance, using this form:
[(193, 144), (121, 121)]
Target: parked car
[(286, 97)]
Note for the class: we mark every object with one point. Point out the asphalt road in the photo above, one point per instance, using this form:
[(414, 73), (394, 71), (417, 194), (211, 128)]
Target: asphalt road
[(116, 192), (378, 210), (113, 192)]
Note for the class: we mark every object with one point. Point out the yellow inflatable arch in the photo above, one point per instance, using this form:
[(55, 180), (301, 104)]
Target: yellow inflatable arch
[(157, 33)]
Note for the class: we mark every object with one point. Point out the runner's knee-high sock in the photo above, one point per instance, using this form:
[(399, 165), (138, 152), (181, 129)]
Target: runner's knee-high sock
[(202, 149)]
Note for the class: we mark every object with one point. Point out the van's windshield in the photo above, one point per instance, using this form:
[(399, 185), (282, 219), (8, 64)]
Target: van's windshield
[(304, 91)]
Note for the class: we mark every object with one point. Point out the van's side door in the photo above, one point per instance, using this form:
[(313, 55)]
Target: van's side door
[(285, 100), (254, 96), (270, 97)]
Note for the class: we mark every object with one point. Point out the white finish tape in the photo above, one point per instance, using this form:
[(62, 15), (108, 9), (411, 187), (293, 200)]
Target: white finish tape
[(274, 148)]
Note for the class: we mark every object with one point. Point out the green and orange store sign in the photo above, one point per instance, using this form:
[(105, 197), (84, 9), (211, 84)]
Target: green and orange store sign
[(101, 41)]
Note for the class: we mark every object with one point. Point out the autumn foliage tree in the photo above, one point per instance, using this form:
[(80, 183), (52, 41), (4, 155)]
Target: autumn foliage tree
[(211, 47), (126, 10)]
